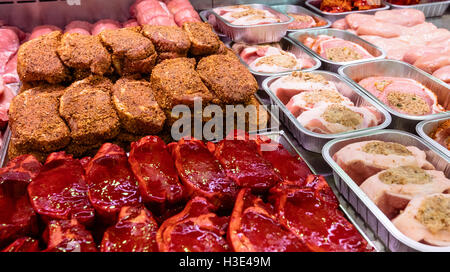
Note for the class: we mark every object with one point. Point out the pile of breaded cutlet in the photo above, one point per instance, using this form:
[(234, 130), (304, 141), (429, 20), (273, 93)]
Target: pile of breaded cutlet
[(80, 91)]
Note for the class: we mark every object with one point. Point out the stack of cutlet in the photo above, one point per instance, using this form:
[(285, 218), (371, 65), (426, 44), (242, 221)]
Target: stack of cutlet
[(81, 91)]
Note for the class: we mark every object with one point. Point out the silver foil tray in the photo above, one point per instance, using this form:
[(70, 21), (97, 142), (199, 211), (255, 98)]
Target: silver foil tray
[(301, 10), (372, 215), (356, 72), (333, 66), (313, 141), (429, 8), (425, 128), (314, 5), (255, 34), (288, 45)]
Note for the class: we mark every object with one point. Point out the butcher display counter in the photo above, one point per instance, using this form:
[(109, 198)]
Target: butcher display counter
[(95, 104)]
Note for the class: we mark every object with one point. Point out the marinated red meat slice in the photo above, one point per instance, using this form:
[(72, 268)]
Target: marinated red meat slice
[(17, 217), (60, 190), (155, 171), (250, 213), (111, 182), (202, 174), (196, 229), (242, 163), (68, 236), (135, 231), (24, 244), (311, 214), (289, 167)]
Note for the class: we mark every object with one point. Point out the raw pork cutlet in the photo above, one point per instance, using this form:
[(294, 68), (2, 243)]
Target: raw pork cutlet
[(89, 113), (182, 87), (309, 100), (339, 118), (136, 106), (426, 219), (169, 41), (203, 39), (37, 60), (404, 95), (271, 58), (35, 121), (336, 49), (227, 78), (288, 86), (392, 189), (84, 52), (364, 159), (131, 51)]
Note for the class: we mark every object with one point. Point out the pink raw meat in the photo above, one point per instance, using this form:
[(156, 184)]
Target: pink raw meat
[(431, 62), (404, 17), (443, 73), (130, 23), (81, 27), (6, 95), (147, 12), (394, 48), (106, 24), (42, 30), (10, 73), (356, 20), (22, 35), (133, 8), (9, 44), (336, 43), (340, 24), (186, 15), (382, 29), (416, 52)]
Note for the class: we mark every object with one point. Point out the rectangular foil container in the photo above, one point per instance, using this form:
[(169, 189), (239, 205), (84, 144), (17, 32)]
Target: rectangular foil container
[(282, 138), (314, 5), (313, 141), (429, 8), (291, 47), (355, 72), (254, 34), (425, 128), (204, 15), (372, 215), (330, 65), (301, 10)]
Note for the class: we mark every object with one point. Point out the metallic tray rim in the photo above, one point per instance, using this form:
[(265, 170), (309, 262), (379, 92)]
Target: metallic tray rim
[(391, 111), (309, 4), (382, 218), (418, 5), (306, 11), (294, 36), (419, 129), (267, 7), (282, 134), (315, 67), (279, 104)]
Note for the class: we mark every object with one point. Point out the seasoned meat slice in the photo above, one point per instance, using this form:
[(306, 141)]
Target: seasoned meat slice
[(35, 121), (89, 113), (84, 52), (203, 39), (168, 38), (37, 60), (227, 78), (131, 51), (181, 87), (136, 106)]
